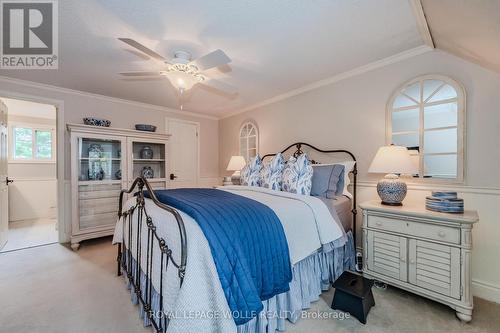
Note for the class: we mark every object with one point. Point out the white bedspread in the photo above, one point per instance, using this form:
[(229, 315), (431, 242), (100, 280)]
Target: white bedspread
[(306, 221)]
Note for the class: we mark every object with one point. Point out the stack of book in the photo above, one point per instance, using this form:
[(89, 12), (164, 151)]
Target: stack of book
[(444, 202)]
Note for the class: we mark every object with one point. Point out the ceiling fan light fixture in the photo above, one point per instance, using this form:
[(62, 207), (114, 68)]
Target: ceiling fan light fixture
[(182, 71), (183, 76), (182, 80)]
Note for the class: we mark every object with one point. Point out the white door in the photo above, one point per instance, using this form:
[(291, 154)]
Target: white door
[(183, 153), (4, 189)]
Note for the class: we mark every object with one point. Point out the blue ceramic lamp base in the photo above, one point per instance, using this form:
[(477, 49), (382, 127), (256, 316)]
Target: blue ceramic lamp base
[(392, 190)]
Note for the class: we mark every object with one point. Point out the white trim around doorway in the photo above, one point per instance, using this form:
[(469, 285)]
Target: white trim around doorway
[(63, 186)]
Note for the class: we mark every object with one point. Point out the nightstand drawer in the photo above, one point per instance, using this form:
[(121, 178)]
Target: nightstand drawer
[(418, 229)]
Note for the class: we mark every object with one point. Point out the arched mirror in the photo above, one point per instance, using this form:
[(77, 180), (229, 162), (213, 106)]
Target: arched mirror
[(427, 115), (249, 140)]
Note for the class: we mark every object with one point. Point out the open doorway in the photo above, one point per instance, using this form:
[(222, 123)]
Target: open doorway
[(31, 174)]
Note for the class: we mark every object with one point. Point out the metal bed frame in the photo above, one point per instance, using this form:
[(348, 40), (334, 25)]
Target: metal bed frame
[(156, 243), (125, 259)]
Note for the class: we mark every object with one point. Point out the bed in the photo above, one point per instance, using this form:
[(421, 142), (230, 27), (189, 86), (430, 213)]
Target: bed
[(175, 277)]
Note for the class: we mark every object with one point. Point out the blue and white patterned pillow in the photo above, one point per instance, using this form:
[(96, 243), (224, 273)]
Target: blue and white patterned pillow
[(271, 173), (297, 175), (250, 174)]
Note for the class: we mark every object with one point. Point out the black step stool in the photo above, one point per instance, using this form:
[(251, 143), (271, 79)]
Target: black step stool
[(353, 294)]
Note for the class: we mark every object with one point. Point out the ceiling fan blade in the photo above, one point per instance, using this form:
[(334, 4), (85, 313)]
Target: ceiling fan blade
[(211, 60), (140, 73), (142, 48), (220, 86)]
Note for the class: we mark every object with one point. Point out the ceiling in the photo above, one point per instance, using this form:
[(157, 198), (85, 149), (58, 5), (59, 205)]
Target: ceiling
[(276, 46), (467, 28)]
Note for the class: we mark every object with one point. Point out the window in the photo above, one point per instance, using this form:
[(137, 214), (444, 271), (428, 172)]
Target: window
[(32, 143), (249, 141), (427, 116)]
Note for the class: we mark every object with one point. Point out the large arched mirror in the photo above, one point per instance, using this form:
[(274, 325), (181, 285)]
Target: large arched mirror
[(427, 115), (249, 140)]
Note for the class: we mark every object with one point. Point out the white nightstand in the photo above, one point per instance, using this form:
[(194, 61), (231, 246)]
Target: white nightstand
[(424, 252)]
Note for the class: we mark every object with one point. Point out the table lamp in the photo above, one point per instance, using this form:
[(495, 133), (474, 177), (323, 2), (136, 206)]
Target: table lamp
[(236, 163), (392, 160)]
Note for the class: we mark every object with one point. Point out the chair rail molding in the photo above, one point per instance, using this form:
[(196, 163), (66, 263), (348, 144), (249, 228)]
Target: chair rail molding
[(434, 187)]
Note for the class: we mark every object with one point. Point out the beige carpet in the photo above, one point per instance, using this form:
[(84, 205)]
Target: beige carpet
[(29, 233), (52, 289)]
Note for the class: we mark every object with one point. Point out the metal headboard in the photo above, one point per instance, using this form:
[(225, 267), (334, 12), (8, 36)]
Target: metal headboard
[(298, 150)]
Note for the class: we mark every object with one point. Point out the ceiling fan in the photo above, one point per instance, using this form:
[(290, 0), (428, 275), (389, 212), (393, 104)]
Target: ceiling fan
[(182, 71)]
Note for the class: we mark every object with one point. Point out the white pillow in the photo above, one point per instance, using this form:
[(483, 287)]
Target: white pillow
[(348, 167)]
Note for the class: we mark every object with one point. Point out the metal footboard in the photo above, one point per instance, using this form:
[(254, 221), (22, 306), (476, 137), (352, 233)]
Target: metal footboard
[(138, 215)]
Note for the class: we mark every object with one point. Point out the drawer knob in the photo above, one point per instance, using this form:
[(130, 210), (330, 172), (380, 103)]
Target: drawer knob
[(441, 234), (402, 259), (378, 223)]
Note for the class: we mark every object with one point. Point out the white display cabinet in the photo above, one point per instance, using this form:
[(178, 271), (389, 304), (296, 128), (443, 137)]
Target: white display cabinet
[(104, 161)]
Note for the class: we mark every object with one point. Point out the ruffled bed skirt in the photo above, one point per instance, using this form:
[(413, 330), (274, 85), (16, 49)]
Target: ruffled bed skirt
[(311, 276)]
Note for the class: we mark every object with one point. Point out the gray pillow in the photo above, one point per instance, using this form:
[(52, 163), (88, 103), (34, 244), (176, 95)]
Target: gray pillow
[(327, 180)]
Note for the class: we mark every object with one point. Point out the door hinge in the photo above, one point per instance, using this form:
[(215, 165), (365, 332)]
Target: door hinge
[(461, 290), (196, 134)]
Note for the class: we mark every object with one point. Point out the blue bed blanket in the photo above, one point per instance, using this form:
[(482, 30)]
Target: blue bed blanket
[(247, 242)]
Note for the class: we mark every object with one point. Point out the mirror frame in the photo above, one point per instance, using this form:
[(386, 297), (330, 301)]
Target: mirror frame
[(461, 126)]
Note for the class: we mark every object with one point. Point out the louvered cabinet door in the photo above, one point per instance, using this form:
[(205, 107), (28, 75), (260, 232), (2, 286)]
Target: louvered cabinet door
[(434, 267), (387, 255)]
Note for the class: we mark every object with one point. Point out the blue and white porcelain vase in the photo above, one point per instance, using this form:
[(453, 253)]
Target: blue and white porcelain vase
[(392, 190), (147, 172), (147, 153)]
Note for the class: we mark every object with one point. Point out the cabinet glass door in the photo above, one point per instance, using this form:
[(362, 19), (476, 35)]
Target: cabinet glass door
[(99, 159), (99, 181), (149, 161)]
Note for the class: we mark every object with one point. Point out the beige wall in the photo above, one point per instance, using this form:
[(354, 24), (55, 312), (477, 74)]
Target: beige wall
[(350, 114)]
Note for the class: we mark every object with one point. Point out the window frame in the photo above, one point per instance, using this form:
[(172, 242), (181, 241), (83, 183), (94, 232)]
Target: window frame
[(34, 128), (245, 124), (461, 126)]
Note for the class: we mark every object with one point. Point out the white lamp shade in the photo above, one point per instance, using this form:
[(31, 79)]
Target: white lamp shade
[(236, 163), (393, 159)]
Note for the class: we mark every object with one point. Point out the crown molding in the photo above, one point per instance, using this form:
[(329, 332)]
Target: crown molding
[(49, 87), (336, 78), (421, 21)]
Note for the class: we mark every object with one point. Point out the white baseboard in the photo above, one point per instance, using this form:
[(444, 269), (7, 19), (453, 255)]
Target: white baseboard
[(485, 290)]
